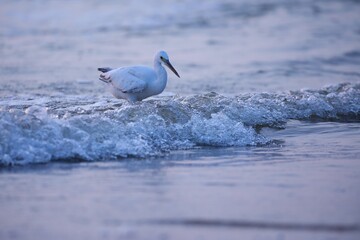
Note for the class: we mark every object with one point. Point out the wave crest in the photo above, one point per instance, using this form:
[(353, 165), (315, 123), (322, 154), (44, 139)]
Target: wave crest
[(96, 128)]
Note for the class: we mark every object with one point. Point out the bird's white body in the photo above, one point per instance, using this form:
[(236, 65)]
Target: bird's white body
[(136, 83)]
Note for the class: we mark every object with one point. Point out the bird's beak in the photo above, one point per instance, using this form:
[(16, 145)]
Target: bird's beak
[(168, 64)]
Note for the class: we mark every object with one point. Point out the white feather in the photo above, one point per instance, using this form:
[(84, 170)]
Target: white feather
[(138, 82)]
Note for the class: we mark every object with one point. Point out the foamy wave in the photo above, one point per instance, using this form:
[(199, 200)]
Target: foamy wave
[(91, 128)]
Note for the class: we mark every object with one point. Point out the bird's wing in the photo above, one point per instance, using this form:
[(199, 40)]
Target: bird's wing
[(127, 79), (104, 69)]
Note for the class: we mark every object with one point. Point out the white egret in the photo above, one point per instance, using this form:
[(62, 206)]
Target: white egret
[(136, 83)]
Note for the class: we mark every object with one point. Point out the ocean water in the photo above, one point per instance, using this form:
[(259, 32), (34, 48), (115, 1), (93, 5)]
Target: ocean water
[(259, 139)]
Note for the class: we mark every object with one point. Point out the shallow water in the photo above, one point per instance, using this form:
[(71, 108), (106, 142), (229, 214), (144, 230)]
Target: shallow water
[(302, 188), (259, 138)]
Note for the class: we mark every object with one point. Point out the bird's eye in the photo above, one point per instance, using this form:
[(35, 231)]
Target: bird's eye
[(161, 58)]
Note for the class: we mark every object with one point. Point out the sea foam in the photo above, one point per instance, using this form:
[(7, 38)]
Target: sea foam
[(93, 128)]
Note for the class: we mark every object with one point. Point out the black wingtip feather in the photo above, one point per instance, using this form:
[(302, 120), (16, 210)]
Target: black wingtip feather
[(104, 69)]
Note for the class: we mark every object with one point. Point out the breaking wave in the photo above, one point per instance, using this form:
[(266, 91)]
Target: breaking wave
[(93, 128)]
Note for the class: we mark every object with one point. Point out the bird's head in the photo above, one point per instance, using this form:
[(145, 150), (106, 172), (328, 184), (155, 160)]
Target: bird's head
[(162, 57)]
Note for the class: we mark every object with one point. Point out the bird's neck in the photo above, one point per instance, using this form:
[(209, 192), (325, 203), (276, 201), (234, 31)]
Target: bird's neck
[(161, 76)]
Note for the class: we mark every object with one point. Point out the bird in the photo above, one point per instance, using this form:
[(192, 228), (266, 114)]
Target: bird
[(135, 83)]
